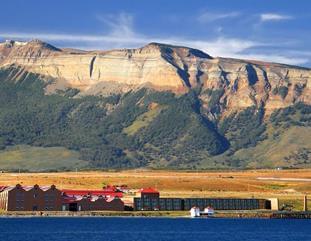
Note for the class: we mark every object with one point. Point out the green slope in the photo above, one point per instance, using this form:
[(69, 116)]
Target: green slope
[(27, 158), (143, 128), (292, 148), (143, 120)]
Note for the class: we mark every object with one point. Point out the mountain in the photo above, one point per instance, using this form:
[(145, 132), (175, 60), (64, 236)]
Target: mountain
[(156, 106)]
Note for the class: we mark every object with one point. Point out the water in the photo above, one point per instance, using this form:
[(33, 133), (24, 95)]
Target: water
[(152, 229)]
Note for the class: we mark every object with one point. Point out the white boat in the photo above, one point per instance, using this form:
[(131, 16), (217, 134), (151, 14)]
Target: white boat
[(195, 212), (208, 211)]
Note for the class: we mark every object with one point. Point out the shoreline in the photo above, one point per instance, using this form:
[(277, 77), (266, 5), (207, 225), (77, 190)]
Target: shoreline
[(143, 214), (249, 214)]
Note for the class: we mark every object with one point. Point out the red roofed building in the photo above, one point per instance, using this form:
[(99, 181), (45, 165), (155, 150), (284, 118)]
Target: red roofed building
[(49, 198), (108, 198), (149, 199), (149, 190), (91, 203)]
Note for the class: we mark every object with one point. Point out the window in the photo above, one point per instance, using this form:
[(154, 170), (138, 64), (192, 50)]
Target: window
[(19, 196)]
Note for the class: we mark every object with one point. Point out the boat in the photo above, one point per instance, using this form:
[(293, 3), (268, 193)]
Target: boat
[(195, 212), (208, 212)]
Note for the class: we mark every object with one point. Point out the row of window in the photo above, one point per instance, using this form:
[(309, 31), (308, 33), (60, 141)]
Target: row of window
[(186, 204)]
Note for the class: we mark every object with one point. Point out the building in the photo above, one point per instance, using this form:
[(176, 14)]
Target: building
[(91, 200), (49, 198), (30, 198), (227, 203), (274, 204), (150, 201)]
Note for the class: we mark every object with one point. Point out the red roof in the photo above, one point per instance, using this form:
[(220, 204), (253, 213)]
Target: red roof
[(92, 193), (110, 189), (149, 190), (74, 199), (26, 188)]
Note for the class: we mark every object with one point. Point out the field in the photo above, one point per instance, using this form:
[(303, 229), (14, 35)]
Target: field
[(288, 185)]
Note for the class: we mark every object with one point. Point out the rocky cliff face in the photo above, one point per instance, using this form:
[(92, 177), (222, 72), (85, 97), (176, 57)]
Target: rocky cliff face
[(238, 83)]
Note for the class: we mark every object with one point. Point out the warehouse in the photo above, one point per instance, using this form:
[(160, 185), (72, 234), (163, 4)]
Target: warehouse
[(89, 200), (227, 203), (49, 198), (109, 191), (30, 198), (150, 201)]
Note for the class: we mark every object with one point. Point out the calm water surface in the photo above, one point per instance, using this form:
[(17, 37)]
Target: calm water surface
[(152, 229)]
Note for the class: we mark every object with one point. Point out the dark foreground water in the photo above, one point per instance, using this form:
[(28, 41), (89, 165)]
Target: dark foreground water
[(152, 229)]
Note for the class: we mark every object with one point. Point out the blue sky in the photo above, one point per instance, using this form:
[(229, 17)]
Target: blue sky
[(271, 30)]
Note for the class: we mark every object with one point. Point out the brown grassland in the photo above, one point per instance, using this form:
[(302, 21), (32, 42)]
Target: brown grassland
[(244, 184)]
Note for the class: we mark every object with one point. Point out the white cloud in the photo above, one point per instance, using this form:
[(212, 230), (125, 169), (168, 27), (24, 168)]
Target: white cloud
[(216, 47), (121, 25), (276, 58), (225, 47), (121, 34), (265, 17), (212, 16)]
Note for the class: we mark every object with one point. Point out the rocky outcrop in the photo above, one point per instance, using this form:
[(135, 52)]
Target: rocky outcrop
[(163, 67), (154, 65)]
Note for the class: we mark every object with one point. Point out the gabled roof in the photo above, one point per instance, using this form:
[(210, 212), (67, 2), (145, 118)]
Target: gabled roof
[(77, 198), (9, 188), (26, 188), (92, 193), (2, 188), (46, 188)]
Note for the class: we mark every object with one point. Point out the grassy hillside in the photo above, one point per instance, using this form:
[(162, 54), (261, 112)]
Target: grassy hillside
[(143, 128), (25, 158), (289, 149), (143, 120)]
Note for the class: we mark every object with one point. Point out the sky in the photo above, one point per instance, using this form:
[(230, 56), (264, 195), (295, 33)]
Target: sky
[(269, 30)]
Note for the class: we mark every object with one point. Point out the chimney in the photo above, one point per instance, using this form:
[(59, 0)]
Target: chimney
[(305, 203)]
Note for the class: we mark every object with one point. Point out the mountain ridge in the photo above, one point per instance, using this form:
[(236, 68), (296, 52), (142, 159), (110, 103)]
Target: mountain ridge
[(157, 106), (162, 67)]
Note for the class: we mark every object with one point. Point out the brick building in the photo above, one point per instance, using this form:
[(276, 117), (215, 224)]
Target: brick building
[(30, 198), (88, 200), (49, 198)]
